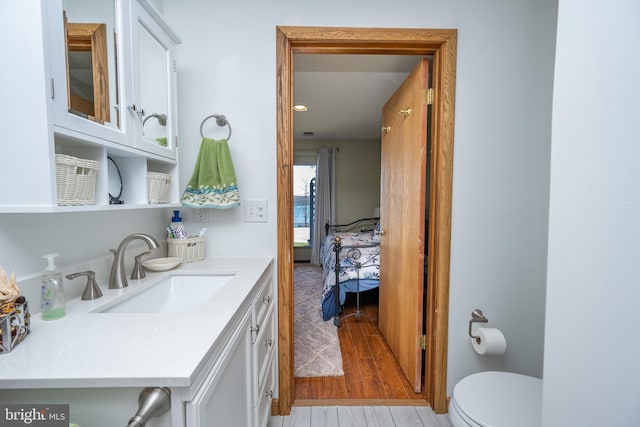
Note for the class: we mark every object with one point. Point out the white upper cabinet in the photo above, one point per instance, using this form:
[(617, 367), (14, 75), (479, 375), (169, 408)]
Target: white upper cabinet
[(95, 80)]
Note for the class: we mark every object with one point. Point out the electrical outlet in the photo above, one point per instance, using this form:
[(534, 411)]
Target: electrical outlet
[(200, 215), (255, 210)]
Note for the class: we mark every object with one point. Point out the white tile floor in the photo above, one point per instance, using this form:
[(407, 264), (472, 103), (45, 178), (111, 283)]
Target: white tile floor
[(360, 416)]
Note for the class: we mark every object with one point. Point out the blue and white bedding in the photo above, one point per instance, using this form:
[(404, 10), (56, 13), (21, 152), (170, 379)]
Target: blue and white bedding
[(356, 247)]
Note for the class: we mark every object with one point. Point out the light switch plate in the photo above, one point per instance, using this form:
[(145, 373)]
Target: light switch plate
[(255, 210)]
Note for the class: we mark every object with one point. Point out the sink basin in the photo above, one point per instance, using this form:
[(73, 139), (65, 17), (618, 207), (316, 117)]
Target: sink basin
[(175, 294)]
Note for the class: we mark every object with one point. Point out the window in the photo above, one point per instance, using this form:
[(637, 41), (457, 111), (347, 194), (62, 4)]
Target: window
[(304, 178)]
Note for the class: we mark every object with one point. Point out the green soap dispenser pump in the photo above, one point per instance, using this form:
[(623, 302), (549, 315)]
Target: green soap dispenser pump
[(52, 302)]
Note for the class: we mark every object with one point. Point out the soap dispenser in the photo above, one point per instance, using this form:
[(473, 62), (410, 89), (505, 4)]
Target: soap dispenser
[(52, 302)]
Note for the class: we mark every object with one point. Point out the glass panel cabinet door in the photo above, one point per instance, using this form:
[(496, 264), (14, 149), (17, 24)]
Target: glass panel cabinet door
[(154, 84), (153, 106), (86, 40)]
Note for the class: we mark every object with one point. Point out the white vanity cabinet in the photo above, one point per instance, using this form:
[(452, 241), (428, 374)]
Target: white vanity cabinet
[(224, 398), (217, 361), (238, 389), (94, 80)]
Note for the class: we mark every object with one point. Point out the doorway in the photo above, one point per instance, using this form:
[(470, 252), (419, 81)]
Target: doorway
[(442, 45)]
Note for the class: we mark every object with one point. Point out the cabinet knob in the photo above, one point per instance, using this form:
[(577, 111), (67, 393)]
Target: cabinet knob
[(269, 394), (268, 343), (256, 329), (266, 299)]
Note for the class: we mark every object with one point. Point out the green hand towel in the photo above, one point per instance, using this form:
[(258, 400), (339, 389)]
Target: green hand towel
[(213, 184)]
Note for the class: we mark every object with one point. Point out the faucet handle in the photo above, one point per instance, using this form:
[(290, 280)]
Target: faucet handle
[(91, 289), (138, 271)]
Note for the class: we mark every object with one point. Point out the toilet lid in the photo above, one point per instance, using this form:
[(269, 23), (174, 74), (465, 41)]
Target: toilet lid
[(500, 399)]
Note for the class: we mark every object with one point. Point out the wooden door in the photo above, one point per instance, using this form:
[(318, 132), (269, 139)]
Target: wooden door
[(402, 220)]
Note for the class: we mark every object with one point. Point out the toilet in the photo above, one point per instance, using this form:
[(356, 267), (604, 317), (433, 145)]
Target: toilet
[(496, 399)]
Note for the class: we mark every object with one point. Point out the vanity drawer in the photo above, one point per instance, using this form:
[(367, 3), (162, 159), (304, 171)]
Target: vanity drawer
[(262, 411), (263, 302), (263, 349)]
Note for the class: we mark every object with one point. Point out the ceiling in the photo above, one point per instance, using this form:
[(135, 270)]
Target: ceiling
[(344, 93)]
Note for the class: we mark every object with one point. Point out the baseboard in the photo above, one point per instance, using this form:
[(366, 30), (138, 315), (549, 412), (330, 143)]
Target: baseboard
[(360, 402), (353, 402)]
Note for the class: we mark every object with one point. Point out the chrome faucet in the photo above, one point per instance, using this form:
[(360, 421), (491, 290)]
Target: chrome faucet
[(118, 277)]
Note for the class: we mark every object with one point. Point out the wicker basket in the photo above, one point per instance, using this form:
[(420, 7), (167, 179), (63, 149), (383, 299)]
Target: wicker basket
[(158, 185), (190, 249), (14, 323), (76, 180)]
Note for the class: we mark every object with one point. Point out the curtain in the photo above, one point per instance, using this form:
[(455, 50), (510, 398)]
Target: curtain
[(325, 199)]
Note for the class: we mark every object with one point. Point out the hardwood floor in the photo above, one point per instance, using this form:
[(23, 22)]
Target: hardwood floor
[(356, 416), (371, 372)]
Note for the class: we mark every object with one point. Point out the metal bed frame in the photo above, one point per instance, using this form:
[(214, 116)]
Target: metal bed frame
[(354, 254)]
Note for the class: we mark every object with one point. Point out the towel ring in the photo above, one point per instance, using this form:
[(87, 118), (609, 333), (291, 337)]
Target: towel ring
[(220, 121)]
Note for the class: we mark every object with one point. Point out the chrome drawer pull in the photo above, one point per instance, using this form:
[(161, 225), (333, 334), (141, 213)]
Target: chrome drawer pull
[(269, 394), (266, 299), (268, 342)]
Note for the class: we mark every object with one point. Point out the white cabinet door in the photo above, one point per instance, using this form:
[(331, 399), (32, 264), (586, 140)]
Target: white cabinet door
[(152, 107), (85, 48), (224, 399)]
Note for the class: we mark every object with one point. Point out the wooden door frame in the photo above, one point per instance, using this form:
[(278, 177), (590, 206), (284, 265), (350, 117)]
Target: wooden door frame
[(442, 44)]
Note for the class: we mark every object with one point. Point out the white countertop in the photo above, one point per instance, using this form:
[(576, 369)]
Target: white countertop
[(85, 349)]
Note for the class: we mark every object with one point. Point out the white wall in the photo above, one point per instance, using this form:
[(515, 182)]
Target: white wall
[(358, 180), (591, 367), (77, 237), (502, 136), (357, 176)]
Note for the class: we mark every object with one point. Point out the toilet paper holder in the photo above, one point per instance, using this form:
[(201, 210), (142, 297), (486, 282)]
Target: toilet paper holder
[(476, 316)]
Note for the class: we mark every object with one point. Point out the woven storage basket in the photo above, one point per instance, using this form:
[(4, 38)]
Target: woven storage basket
[(14, 323), (76, 180), (190, 249), (158, 185)]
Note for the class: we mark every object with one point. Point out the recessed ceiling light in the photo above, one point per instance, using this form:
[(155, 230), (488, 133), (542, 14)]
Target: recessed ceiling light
[(300, 107)]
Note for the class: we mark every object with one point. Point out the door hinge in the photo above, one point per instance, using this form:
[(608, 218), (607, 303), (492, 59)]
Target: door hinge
[(53, 90), (428, 96), (422, 342)]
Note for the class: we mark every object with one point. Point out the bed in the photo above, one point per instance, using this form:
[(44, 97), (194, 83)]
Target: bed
[(356, 246)]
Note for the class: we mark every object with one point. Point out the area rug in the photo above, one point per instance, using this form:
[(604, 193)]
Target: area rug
[(316, 344)]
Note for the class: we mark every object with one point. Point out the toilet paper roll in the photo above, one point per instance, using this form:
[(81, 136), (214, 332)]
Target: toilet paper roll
[(489, 341)]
